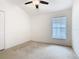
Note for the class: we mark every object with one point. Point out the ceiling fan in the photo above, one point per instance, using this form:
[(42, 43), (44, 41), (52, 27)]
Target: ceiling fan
[(36, 3)]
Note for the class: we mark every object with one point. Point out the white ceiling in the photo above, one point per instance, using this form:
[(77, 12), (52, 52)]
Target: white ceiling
[(54, 5)]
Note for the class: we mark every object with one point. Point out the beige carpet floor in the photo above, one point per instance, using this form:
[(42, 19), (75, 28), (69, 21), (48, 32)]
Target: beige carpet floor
[(34, 50)]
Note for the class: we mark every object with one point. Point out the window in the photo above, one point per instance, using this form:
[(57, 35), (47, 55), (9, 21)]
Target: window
[(59, 27)]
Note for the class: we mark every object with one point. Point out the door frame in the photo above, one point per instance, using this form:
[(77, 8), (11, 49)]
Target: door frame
[(3, 13)]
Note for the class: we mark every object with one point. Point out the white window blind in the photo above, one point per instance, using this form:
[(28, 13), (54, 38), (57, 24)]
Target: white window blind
[(59, 27)]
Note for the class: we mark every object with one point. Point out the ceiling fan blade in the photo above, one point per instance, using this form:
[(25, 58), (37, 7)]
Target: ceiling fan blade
[(44, 2), (28, 2), (37, 6)]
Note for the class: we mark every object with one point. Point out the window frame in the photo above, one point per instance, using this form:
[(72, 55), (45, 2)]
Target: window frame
[(66, 28)]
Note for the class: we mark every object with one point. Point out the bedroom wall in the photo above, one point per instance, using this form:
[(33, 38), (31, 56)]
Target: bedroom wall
[(17, 24), (17, 27), (75, 26), (41, 27)]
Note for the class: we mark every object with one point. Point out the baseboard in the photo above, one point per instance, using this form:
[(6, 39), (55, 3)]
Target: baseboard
[(52, 44)]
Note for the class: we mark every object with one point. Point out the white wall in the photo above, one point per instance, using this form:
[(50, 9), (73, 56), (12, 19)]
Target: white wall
[(17, 24), (41, 27), (17, 27), (75, 26)]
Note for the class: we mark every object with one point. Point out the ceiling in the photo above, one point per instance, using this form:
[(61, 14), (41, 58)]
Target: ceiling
[(54, 5)]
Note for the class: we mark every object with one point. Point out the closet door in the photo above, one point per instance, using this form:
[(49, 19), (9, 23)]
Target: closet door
[(1, 30)]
